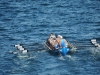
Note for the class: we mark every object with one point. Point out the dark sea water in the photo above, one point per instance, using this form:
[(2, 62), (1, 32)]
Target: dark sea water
[(29, 22)]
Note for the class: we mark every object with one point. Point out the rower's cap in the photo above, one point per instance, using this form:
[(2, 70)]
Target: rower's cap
[(60, 36)]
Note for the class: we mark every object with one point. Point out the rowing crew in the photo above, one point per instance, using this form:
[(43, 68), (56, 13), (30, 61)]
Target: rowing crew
[(57, 42)]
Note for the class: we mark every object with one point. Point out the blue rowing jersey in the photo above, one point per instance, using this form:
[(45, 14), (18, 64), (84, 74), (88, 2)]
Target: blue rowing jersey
[(56, 46), (64, 51), (62, 43)]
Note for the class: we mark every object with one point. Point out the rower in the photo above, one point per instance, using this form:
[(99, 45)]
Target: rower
[(62, 42), (63, 45), (51, 40)]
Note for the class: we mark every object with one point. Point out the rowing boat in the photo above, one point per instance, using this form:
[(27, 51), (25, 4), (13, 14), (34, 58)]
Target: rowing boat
[(62, 51)]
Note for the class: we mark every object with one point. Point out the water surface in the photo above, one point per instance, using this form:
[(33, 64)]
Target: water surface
[(29, 22)]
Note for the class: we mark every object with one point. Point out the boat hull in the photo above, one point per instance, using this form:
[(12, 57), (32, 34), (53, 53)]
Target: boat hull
[(63, 51)]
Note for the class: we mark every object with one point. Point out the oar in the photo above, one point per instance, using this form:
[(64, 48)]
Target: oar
[(94, 42), (21, 48), (47, 45), (71, 46)]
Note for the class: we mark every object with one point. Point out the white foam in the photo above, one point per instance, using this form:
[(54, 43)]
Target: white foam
[(69, 56), (61, 58)]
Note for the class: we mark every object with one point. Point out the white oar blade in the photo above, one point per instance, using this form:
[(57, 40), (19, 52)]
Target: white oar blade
[(93, 41), (20, 48), (96, 44), (17, 45), (24, 51), (99, 45)]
